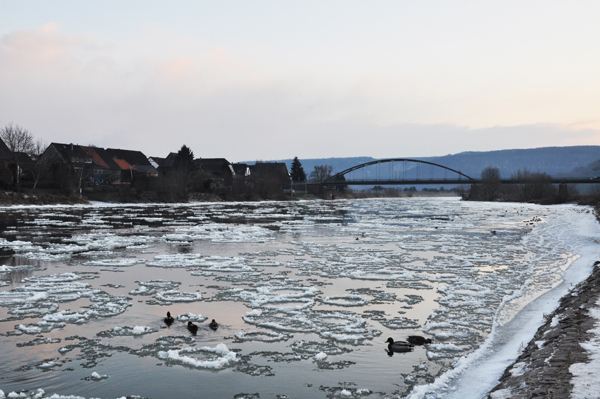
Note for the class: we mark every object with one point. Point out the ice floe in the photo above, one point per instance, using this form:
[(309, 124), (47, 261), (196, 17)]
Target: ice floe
[(205, 357)]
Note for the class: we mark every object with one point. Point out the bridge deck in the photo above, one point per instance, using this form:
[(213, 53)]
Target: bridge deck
[(570, 180)]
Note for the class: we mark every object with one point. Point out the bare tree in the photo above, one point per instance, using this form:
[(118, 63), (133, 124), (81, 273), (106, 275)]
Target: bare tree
[(490, 183), (321, 172), (19, 141), (533, 186)]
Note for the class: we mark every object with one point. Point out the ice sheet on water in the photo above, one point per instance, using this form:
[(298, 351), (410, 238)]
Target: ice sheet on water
[(95, 377), (399, 323), (206, 357), (109, 241), (191, 317), (170, 296), (123, 331), (114, 262), (341, 326), (41, 295), (269, 295), (35, 394), (175, 261), (153, 286), (378, 296), (346, 300), (9, 269), (216, 232), (261, 336), (79, 317), (38, 328), (308, 349), (39, 341)]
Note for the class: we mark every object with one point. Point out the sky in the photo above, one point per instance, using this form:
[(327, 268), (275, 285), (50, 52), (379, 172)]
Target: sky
[(265, 80)]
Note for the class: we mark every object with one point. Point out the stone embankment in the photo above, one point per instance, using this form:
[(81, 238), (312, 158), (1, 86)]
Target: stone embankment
[(542, 369)]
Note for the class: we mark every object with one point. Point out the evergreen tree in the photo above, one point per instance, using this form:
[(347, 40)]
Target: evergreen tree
[(297, 173), (185, 158)]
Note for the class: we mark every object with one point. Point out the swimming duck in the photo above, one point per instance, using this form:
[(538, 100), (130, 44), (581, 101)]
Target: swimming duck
[(214, 325), (401, 346), (418, 340), (169, 319), (192, 327)]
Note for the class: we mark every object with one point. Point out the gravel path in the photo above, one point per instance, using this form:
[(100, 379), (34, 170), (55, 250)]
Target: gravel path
[(542, 369)]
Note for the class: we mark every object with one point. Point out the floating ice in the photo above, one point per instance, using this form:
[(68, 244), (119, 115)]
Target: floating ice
[(97, 377), (268, 295), (262, 336), (191, 317), (346, 300), (128, 331), (41, 327), (151, 287), (205, 357), (170, 296), (343, 326), (113, 262), (175, 261)]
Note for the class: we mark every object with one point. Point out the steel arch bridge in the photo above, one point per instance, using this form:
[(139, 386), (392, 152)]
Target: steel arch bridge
[(408, 173)]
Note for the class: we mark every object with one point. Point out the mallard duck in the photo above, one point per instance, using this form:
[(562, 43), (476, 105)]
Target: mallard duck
[(418, 340), (169, 319), (192, 327), (213, 324), (401, 346)]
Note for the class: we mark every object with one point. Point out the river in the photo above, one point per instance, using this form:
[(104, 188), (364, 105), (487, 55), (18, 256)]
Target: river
[(305, 294)]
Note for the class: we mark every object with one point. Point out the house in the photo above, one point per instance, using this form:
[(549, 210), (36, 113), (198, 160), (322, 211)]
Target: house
[(156, 162), (241, 170), (270, 178), (133, 161), (215, 166), (67, 166), (276, 172), (166, 164), (104, 169)]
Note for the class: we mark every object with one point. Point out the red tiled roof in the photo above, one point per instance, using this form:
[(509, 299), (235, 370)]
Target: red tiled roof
[(95, 156), (123, 164)]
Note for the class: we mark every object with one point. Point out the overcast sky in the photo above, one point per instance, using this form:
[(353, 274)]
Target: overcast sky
[(250, 80)]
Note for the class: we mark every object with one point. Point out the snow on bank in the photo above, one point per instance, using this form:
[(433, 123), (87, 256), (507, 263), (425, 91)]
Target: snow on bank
[(585, 375), (475, 374)]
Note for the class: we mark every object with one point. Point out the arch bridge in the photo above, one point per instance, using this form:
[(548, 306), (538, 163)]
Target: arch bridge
[(398, 171), (407, 171)]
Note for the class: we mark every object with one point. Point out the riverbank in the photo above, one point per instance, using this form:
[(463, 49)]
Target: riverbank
[(8, 198), (543, 370), (44, 197)]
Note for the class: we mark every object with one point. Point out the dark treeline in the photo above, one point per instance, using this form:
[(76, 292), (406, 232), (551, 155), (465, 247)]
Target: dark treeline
[(533, 187)]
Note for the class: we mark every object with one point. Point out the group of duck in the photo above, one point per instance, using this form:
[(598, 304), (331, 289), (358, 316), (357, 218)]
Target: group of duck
[(193, 328), (406, 346), (393, 346)]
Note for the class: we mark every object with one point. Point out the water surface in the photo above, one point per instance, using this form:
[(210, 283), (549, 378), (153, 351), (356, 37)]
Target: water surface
[(305, 293)]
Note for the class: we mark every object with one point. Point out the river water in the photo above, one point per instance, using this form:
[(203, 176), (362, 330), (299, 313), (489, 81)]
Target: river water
[(305, 294)]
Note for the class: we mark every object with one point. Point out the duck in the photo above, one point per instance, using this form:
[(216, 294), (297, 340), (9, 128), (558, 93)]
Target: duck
[(169, 319), (400, 346), (418, 340), (213, 325), (192, 327)]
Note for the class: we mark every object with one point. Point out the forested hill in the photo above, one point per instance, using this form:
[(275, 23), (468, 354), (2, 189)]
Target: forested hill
[(556, 161)]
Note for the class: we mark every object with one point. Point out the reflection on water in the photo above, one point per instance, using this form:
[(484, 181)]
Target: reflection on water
[(305, 293)]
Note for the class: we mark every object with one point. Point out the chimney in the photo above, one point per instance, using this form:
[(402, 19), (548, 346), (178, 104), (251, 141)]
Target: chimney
[(71, 146)]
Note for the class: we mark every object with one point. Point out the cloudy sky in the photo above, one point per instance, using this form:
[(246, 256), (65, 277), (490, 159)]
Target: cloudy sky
[(249, 80)]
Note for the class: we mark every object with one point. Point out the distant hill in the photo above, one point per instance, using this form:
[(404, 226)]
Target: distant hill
[(556, 161)]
